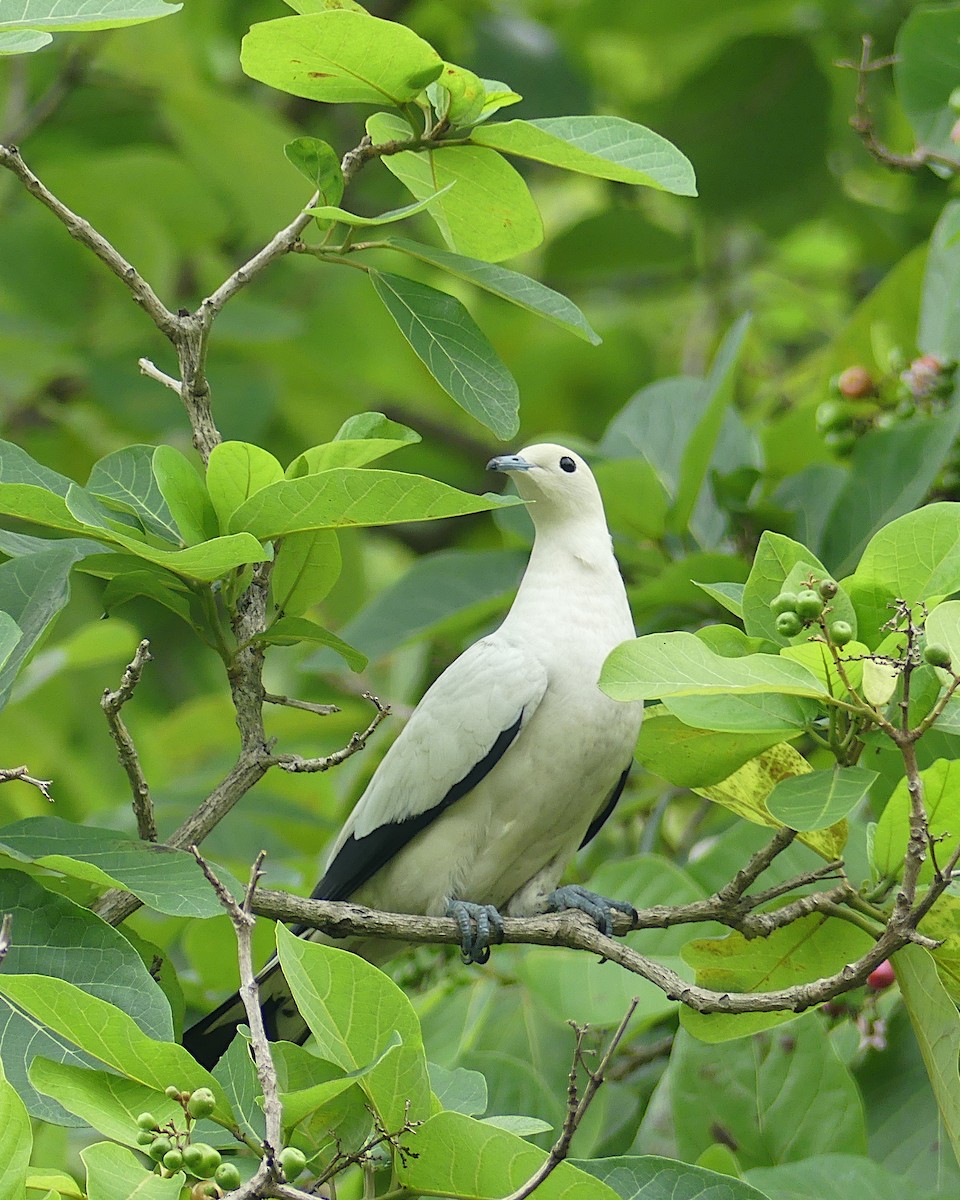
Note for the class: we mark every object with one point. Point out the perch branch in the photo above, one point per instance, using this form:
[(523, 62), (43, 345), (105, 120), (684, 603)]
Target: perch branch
[(111, 703), (23, 774), (293, 762)]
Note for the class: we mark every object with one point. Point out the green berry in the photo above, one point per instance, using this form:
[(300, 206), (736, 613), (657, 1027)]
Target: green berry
[(789, 624), (160, 1147), (809, 604), (147, 1121), (195, 1158), (827, 589), (204, 1191), (785, 602), (173, 1159), (833, 414), (936, 655), (172, 1092), (840, 440), (227, 1176), (145, 1137), (293, 1162), (841, 632), (201, 1103)]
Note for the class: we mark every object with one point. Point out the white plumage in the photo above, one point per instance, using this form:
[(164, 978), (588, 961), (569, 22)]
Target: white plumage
[(514, 753)]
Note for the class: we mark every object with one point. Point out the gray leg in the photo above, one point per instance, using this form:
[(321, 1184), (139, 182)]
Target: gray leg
[(595, 906), (475, 948)]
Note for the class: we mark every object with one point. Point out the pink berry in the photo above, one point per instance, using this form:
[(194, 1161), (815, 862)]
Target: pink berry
[(881, 977)]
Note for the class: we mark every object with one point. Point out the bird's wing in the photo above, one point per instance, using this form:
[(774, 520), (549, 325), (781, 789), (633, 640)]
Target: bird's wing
[(610, 804), (460, 729)]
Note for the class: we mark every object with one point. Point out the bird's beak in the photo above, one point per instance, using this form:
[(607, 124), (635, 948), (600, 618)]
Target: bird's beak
[(509, 462)]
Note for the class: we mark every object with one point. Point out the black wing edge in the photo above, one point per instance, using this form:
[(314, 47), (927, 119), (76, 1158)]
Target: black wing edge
[(360, 858), (602, 816)]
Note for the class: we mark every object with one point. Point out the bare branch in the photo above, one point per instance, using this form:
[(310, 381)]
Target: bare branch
[(321, 710), (150, 369), (23, 774), (293, 762), (6, 926), (111, 703)]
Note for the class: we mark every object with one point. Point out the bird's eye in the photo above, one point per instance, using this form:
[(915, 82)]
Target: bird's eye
[(568, 465)]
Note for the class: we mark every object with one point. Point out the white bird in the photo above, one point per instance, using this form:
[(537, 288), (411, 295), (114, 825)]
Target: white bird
[(512, 760)]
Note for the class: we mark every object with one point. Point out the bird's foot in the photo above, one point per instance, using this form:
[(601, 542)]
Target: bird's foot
[(475, 947), (595, 906)]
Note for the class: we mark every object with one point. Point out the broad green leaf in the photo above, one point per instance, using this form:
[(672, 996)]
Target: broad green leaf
[(208, 561), (463, 1158), (937, 329), (288, 631), (298, 1105), (352, 496), (56, 1182), (459, 1090), (105, 1101), (107, 1036), (828, 1177), (489, 215), (727, 595), (679, 664), (606, 147), (916, 557), (746, 792), (800, 952), (941, 796), (32, 502), (508, 285), (306, 568), (943, 923), (16, 1142), (361, 439), (112, 516), (16, 466), (332, 213), (780, 559), (781, 1096), (820, 799), (520, 1125), (814, 655), (320, 164), (688, 757), (373, 426), (942, 627), (497, 95), (23, 42), (77, 15), (235, 471), (647, 1177), (152, 585), (354, 1010), (936, 1025), (925, 71), (458, 95), (165, 879), (454, 350), (115, 1173), (185, 496), (10, 635), (762, 714), (125, 480), (340, 57), (314, 6)]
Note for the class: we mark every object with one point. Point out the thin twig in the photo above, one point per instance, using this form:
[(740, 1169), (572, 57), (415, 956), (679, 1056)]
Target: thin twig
[(294, 763), (23, 774), (321, 710), (6, 941), (111, 703), (153, 371)]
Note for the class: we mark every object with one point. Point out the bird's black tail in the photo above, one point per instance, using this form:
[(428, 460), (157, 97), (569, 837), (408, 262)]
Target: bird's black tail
[(208, 1039)]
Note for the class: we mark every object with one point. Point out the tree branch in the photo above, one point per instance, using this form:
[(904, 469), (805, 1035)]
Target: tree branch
[(293, 762), (111, 703), (6, 926), (22, 773)]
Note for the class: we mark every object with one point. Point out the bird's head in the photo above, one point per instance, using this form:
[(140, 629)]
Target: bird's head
[(557, 480)]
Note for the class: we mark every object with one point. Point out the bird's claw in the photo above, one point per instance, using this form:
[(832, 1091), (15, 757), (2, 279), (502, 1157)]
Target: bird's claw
[(475, 947), (596, 907)]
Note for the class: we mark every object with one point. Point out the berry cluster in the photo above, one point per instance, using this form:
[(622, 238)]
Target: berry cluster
[(173, 1150), (861, 401), (796, 610)]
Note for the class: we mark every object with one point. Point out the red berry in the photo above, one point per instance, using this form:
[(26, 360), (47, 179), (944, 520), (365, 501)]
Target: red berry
[(856, 383), (881, 977)]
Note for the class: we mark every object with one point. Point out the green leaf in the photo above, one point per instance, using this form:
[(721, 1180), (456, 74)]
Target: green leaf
[(463, 1158), (745, 793), (820, 799), (828, 1177), (16, 1142), (520, 1125), (152, 585), (165, 879), (115, 1173), (454, 350), (320, 164), (76, 15), (688, 757), (941, 795), (185, 496), (606, 147), (299, 1105), (333, 213), (925, 72), (30, 502), (288, 631), (458, 95), (938, 331), (340, 57), (354, 1011), (103, 1100), (25, 42), (727, 595), (360, 440), (126, 481), (942, 627), (54, 936), (16, 466), (459, 1090), (351, 496), (763, 714), (508, 285), (936, 1025), (794, 1097), (800, 952), (490, 214), (781, 564), (235, 472), (679, 664), (10, 635), (650, 1178), (306, 568)]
